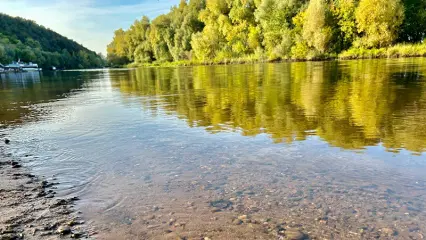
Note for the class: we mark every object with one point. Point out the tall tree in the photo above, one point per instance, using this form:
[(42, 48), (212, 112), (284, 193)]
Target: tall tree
[(118, 49), (275, 18), (316, 30), (344, 12), (413, 29), (185, 22), (211, 41), (378, 21), (161, 38)]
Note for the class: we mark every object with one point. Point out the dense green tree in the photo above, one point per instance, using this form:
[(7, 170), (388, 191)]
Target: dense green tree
[(161, 38), (208, 43), (135, 37), (316, 30), (242, 35), (344, 13), (3, 55), (185, 23), (413, 28), (379, 21), (275, 18), (118, 49)]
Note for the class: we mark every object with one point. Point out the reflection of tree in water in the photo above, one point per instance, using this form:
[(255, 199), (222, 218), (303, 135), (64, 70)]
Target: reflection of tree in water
[(351, 104), (18, 91)]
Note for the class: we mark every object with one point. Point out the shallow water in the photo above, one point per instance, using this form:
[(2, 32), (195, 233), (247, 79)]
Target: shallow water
[(335, 150)]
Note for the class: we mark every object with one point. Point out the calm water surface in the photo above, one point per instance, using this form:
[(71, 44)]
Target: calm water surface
[(335, 150)]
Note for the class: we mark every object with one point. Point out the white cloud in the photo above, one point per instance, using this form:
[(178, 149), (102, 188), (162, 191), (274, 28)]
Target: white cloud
[(84, 21)]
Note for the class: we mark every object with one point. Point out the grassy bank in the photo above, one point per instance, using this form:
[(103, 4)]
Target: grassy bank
[(396, 51), (223, 61)]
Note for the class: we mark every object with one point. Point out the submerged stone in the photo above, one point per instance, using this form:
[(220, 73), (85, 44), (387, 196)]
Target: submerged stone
[(221, 204), (294, 235), (63, 230)]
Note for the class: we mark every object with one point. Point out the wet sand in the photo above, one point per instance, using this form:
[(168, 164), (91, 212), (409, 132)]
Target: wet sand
[(29, 209)]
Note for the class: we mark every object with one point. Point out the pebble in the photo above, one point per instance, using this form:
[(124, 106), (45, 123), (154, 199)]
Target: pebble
[(215, 210), (63, 230), (294, 235), (7, 141), (152, 226), (172, 221), (388, 231), (76, 235), (324, 222), (237, 222), (72, 222)]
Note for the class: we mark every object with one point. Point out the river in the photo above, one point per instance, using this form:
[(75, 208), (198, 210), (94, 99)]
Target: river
[(330, 150)]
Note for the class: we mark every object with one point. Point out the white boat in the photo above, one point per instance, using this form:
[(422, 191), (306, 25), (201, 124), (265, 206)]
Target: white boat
[(21, 66), (30, 67)]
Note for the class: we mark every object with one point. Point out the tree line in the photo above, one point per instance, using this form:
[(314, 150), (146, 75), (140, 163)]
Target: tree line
[(26, 40), (220, 30)]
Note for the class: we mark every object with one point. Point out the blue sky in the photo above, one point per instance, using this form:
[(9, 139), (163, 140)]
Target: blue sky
[(89, 22)]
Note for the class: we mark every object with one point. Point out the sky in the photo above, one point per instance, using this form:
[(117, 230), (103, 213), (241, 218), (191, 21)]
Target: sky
[(89, 22)]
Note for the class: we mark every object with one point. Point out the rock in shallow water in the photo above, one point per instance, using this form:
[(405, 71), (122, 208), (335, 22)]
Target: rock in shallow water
[(294, 235), (63, 230), (388, 231), (237, 222)]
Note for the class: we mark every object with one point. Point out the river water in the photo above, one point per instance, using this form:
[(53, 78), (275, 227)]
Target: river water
[(334, 150)]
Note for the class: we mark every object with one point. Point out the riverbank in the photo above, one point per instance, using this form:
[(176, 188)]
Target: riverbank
[(29, 209), (395, 51)]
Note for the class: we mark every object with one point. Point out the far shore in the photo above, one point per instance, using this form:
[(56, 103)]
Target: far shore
[(397, 51)]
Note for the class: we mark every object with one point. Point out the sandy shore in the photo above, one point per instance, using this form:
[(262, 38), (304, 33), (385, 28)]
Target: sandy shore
[(29, 209)]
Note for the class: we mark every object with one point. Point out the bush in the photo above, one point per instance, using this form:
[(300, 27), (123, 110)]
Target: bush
[(396, 51)]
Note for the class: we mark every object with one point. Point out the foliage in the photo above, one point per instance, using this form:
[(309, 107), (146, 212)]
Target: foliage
[(223, 31), (413, 29), (379, 21), (316, 30), (30, 42), (344, 13), (399, 50), (275, 18)]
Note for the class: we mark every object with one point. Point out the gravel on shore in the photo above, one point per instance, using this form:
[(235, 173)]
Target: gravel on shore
[(29, 208)]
